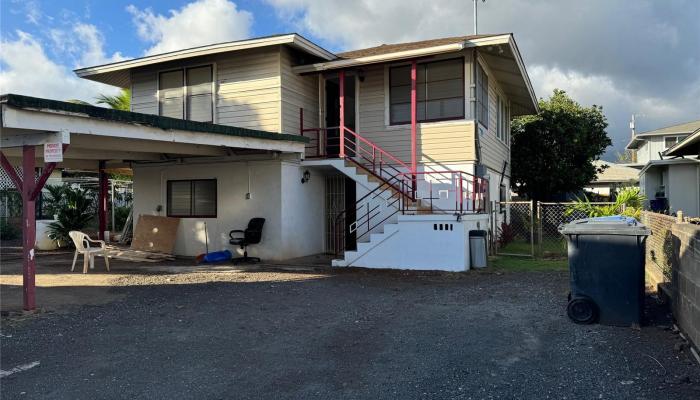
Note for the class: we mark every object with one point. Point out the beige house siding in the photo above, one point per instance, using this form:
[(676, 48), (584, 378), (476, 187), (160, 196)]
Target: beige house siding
[(298, 91), (247, 90), (144, 89), (493, 150)]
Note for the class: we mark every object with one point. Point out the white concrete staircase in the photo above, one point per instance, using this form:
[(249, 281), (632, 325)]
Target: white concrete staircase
[(387, 209)]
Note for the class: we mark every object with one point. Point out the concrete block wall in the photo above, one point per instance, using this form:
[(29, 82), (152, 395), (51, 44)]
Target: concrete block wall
[(659, 248), (685, 278)]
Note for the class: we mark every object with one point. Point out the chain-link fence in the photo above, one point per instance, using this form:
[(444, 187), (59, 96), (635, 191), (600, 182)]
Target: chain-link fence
[(521, 228), (551, 243), (513, 228)]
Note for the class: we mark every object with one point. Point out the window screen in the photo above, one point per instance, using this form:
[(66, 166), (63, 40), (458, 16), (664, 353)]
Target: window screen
[(199, 94), (502, 120), (439, 92), (192, 198), (170, 94), (482, 95)]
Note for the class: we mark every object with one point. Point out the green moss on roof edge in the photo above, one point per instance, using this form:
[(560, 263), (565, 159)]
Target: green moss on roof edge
[(157, 121)]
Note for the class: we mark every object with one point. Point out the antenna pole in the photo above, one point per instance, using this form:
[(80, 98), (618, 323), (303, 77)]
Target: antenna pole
[(475, 24)]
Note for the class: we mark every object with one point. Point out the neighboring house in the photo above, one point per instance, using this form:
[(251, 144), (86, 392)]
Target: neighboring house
[(403, 145), (648, 146), (670, 169), (613, 178)]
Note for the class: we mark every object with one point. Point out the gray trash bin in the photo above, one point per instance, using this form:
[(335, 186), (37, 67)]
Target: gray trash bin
[(477, 249), (606, 266)]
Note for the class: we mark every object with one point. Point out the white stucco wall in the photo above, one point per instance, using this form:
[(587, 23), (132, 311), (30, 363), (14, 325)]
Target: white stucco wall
[(682, 189), (415, 244), (276, 194), (303, 211)]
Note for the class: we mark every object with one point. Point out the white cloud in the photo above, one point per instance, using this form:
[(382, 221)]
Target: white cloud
[(29, 71), (84, 44), (618, 103), (198, 23), (629, 57)]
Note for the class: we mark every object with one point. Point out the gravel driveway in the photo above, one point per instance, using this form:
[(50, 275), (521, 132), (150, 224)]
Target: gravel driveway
[(342, 335)]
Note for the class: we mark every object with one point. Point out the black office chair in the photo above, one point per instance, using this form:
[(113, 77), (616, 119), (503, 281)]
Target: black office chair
[(251, 235)]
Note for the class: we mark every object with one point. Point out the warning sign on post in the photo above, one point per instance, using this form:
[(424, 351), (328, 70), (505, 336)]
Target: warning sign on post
[(53, 152)]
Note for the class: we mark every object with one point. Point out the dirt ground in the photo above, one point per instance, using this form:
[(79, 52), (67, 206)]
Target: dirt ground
[(177, 330)]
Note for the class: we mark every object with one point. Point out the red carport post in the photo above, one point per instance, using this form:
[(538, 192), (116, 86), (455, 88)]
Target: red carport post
[(28, 227), (102, 200), (414, 123), (30, 190)]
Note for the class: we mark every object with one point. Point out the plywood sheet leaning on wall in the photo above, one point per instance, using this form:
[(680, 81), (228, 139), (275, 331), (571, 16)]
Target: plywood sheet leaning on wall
[(155, 234)]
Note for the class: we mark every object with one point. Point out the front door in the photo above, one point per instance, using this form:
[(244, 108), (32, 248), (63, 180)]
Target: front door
[(333, 112)]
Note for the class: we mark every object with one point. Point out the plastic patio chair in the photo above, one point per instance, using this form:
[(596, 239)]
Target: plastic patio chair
[(82, 246)]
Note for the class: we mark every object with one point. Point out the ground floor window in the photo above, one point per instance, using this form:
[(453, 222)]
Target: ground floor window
[(192, 198)]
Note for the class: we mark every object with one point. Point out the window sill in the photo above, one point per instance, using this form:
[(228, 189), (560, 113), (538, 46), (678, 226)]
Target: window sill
[(430, 124)]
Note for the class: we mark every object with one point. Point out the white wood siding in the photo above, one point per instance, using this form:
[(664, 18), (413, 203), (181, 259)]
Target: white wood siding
[(298, 91)]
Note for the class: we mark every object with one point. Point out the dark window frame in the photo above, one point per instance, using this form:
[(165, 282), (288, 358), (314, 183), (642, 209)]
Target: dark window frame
[(482, 95), (185, 90), (393, 122), (192, 197)]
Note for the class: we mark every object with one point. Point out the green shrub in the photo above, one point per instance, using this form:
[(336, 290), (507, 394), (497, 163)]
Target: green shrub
[(120, 216), (7, 230), (629, 202), (75, 211)]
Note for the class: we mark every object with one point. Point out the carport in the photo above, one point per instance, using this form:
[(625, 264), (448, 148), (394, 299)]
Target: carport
[(94, 138)]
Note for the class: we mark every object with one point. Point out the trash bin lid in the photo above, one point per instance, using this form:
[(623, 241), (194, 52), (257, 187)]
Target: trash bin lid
[(612, 225)]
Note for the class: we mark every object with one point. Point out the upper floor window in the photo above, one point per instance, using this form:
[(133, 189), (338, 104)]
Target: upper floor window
[(187, 93), (502, 120), (482, 96), (439, 92), (670, 141)]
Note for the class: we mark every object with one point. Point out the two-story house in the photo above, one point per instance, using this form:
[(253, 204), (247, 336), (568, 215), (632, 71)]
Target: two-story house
[(671, 183), (386, 156)]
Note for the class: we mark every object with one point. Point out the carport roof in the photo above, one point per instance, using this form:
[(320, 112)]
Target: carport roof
[(156, 121)]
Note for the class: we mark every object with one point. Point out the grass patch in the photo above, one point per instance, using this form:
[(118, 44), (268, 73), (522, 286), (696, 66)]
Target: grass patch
[(548, 247), (510, 264)]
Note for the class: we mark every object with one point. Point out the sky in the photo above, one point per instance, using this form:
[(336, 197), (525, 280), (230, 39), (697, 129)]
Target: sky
[(632, 57)]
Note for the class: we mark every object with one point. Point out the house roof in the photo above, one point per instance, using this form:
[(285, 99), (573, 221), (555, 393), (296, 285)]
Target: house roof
[(118, 73), (398, 47), (499, 51), (615, 173), (678, 129), (689, 146), (673, 161), (166, 123)]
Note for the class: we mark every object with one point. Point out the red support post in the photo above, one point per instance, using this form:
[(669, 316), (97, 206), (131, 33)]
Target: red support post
[(28, 228), (341, 92), (102, 200), (414, 123)]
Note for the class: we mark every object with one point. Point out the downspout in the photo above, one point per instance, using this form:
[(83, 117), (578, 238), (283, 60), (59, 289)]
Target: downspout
[(477, 143)]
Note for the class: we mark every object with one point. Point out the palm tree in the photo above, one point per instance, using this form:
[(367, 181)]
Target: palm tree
[(122, 101)]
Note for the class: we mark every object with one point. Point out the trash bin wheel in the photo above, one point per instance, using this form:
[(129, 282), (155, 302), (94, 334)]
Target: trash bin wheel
[(582, 310)]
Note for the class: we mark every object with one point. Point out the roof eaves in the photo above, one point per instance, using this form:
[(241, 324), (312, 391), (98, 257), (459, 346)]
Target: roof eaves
[(157, 121), (688, 141), (290, 38)]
